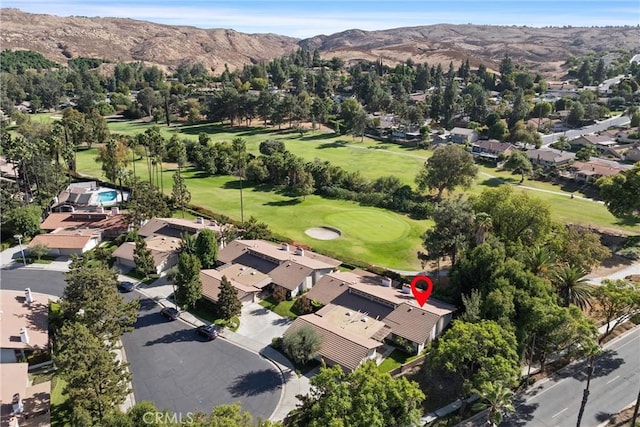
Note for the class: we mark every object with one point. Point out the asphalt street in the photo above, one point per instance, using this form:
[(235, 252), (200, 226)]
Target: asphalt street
[(614, 385), (182, 372), (173, 367), (46, 282), (576, 133)]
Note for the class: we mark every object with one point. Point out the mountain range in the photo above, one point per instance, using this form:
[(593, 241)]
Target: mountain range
[(543, 50)]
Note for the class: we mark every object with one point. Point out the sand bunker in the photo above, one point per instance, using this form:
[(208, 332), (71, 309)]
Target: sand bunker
[(323, 233)]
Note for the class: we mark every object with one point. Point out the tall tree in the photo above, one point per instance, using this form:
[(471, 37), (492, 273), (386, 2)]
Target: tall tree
[(497, 399), (207, 248), (187, 279), (145, 202), (364, 398), (519, 163), (453, 229), (91, 298), (477, 353), (448, 168), (572, 287), (143, 258), (621, 192), (616, 301), (179, 192), (515, 216), (96, 380), (239, 148), (228, 303)]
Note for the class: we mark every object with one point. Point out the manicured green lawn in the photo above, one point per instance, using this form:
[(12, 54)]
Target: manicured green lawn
[(372, 235), (60, 409), (282, 309), (395, 359)]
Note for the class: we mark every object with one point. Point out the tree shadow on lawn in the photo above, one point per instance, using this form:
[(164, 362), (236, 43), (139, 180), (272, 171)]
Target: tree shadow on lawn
[(280, 203), (255, 383), (317, 137), (628, 220), (492, 182), (333, 144)]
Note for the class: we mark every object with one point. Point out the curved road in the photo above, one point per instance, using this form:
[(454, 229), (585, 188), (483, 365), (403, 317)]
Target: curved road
[(576, 133), (170, 365)]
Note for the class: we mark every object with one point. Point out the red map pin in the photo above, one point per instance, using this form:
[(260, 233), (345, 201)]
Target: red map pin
[(420, 295)]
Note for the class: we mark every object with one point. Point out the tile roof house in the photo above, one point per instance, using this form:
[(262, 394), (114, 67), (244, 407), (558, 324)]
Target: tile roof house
[(363, 292), (23, 404), (79, 231), (247, 281), (163, 237), (550, 157), (67, 243), (463, 135), (296, 270), (163, 249), (24, 329), (109, 224), (591, 171), (346, 341), (600, 141), (491, 149)]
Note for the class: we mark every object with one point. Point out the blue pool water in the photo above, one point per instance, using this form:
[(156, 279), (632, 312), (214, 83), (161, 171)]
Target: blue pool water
[(107, 196)]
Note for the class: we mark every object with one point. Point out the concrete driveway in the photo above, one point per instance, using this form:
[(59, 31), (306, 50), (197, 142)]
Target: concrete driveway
[(261, 325)]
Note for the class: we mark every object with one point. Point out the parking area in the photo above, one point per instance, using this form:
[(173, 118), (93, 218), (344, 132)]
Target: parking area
[(260, 324)]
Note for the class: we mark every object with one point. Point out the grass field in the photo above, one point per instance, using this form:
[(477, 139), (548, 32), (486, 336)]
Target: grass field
[(373, 235)]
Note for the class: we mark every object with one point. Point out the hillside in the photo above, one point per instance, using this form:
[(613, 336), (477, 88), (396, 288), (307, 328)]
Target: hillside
[(120, 39), (541, 49)]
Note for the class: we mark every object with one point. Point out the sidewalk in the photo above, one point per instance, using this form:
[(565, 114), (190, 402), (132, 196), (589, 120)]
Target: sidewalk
[(12, 258), (292, 385)]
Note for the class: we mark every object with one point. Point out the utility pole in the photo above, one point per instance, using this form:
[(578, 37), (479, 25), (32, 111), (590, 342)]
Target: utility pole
[(585, 394)]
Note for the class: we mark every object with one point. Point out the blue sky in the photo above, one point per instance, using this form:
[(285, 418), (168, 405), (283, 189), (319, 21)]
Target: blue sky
[(303, 18)]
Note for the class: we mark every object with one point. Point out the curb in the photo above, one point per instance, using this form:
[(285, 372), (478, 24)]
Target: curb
[(131, 397)]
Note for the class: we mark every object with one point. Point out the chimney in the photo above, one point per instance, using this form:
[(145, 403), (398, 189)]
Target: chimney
[(299, 251), (28, 297), (24, 336), (115, 210), (386, 282), (406, 288), (285, 247), (100, 209), (199, 220)]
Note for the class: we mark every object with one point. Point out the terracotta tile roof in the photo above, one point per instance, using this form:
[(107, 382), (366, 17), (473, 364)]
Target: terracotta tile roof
[(91, 220), (14, 379), (161, 249), (211, 280), (174, 227), (595, 167), (329, 287), (16, 314), (290, 274), (62, 241), (412, 323), (340, 347), (275, 253)]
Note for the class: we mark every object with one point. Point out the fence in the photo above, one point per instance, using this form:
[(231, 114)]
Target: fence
[(407, 366)]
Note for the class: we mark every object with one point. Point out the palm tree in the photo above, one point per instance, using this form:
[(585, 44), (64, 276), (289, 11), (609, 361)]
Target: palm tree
[(539, 260), (497, 398), (572, 287), (239, 147), (484, 223)]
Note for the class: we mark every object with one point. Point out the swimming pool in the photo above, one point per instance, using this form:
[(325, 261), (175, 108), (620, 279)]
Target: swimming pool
[(107, 196)]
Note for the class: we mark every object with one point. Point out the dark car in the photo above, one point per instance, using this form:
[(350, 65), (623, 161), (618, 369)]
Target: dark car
[(170, 313), (126, 286), (208, 331)]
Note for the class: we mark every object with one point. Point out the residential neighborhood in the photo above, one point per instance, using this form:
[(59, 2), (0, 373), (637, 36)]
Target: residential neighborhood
[(430, 225)]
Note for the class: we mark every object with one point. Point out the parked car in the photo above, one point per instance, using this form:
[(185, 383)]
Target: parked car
[(170, 313), (126, 286), (208, 331)]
